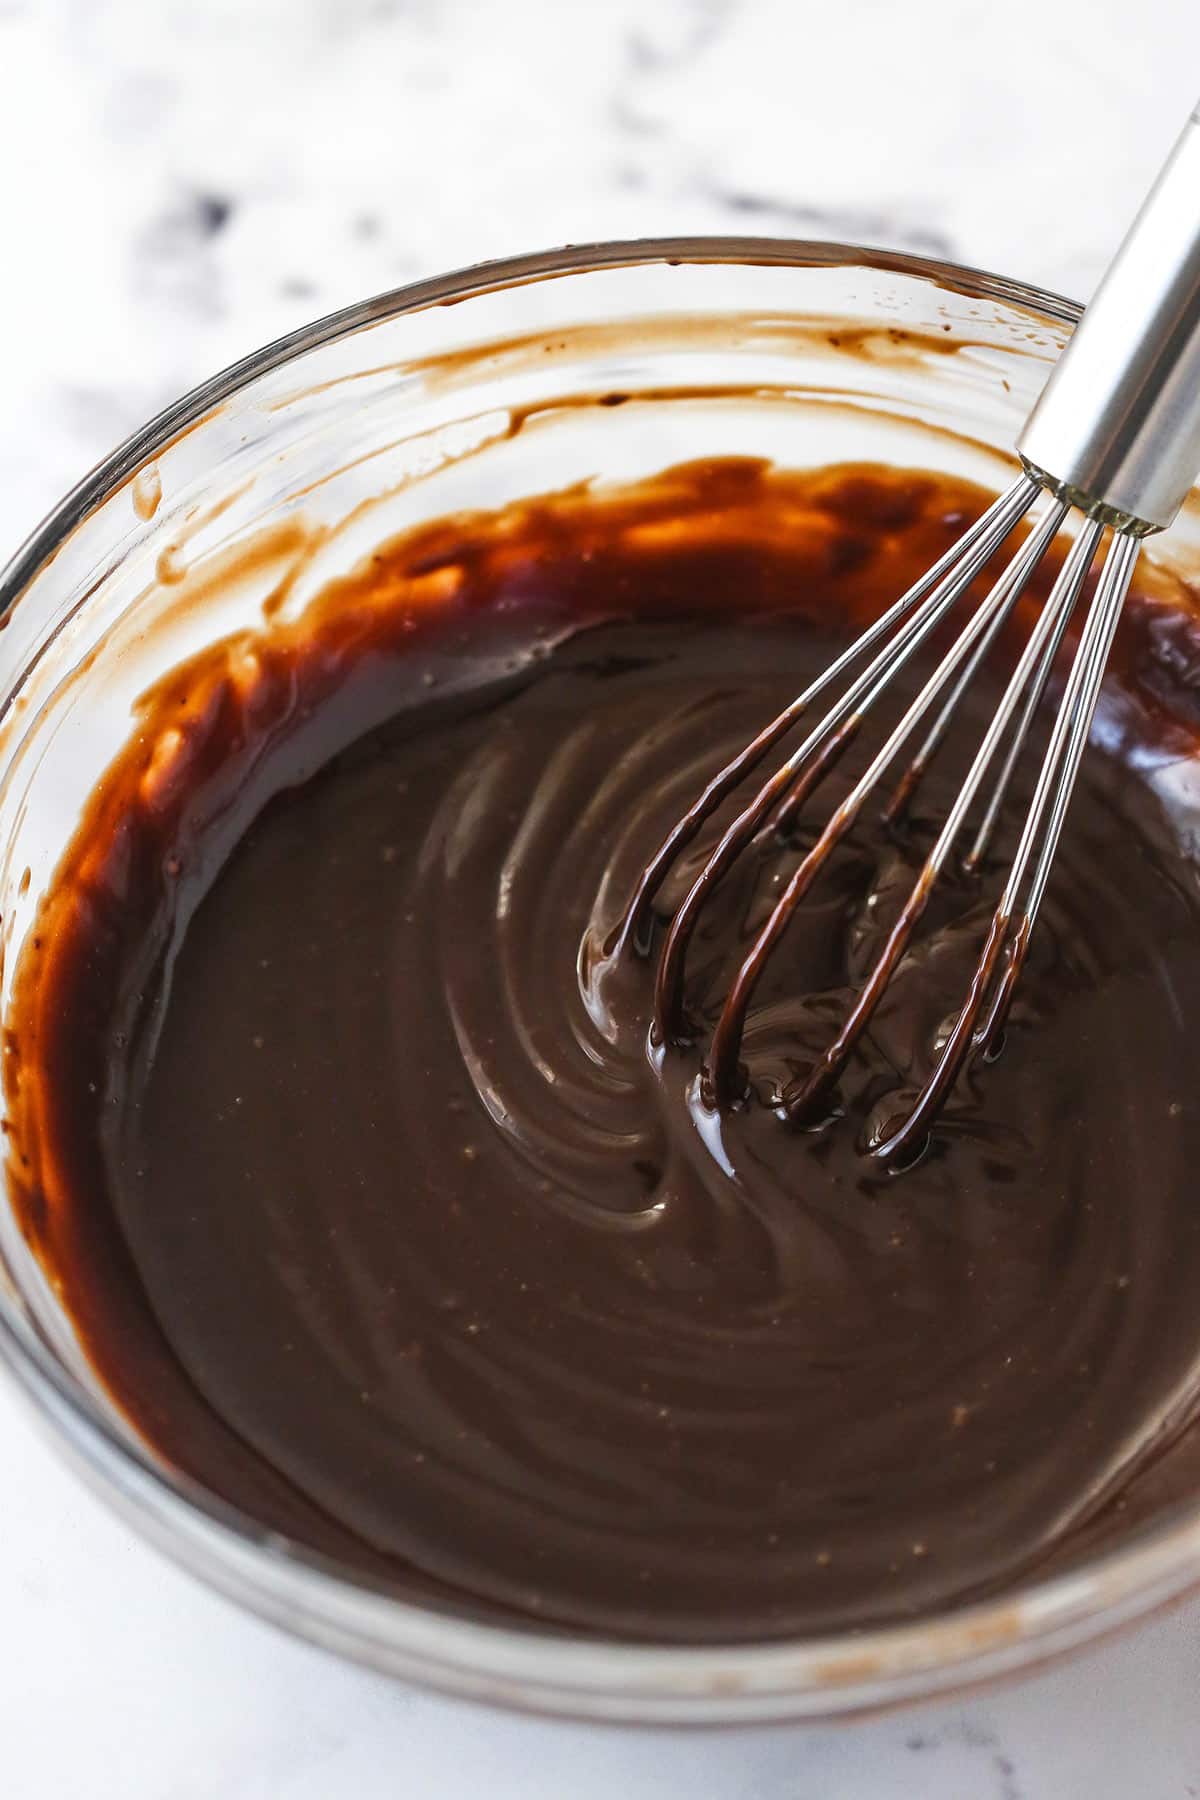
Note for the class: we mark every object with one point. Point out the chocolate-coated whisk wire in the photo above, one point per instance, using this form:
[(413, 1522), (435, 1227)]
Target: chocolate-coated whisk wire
[(904, 628)]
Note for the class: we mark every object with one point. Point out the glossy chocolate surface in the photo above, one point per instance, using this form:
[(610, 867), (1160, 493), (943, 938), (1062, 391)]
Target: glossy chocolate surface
[(335, 1118)]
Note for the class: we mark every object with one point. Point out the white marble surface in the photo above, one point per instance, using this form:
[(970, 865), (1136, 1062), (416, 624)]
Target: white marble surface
[(182, 179)]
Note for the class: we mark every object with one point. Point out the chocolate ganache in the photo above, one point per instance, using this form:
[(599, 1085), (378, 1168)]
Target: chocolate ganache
[(334, 1117)]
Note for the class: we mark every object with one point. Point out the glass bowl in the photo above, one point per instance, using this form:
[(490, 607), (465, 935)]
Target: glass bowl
[(470, 390)]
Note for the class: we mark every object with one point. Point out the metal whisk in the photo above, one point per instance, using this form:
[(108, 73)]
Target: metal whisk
[(1115, 434)]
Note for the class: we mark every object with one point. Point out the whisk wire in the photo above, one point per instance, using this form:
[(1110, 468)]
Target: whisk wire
[(1037, 687), (989, 615), (916, 622), (804, 1095), (1011, 505), (1012, 924), (906, 788)]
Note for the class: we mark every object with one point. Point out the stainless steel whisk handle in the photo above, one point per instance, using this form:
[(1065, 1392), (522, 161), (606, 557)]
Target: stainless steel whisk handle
[(1117, 428)]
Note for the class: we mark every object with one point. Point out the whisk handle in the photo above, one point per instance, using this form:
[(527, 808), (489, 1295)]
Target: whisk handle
[(1117, 428)]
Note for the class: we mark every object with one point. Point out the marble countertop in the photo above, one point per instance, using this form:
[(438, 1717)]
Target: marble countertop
[(181, 180)]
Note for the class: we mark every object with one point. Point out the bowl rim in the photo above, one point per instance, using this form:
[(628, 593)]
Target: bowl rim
[(608, 1678)]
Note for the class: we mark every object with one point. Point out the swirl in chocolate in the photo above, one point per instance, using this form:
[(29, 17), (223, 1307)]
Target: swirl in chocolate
[(335, 1116)]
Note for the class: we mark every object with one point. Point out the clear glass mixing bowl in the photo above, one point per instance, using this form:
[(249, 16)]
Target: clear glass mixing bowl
[(468, 391)]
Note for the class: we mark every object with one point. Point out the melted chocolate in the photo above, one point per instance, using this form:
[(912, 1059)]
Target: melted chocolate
[(333, 1112)]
